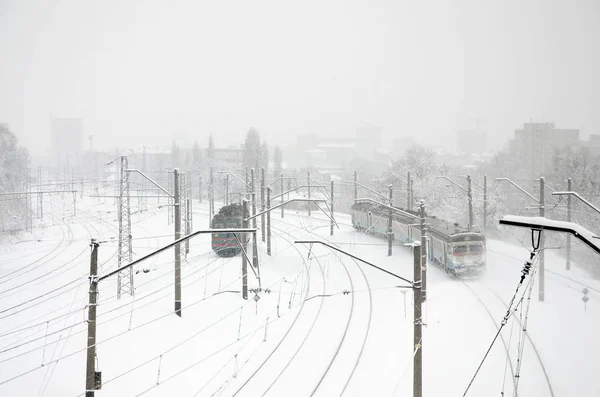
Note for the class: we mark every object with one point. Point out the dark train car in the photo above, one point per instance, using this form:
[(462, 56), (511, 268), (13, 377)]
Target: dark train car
[(225, 244)]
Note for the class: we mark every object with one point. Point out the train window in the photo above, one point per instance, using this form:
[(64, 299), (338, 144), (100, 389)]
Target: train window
[(476, 248), (460, 249)]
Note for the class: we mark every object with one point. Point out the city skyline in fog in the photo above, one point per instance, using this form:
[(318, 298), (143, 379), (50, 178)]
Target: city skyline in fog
[(144, 73)]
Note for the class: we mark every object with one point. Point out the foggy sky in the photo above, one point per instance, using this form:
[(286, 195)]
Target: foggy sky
[(140, 72)]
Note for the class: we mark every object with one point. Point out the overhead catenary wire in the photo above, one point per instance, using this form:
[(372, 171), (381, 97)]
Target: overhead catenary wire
[(526, 271)]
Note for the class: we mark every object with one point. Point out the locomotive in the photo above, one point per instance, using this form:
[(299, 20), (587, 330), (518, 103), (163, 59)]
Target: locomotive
[(225, 244), (457, 250)]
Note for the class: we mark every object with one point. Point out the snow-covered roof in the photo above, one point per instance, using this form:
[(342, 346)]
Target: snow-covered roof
[(542, 223)]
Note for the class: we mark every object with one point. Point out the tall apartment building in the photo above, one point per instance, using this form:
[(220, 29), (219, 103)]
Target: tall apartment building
[(534, 145)]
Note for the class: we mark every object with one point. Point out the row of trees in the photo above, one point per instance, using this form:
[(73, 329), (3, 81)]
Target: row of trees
[(255, 154), (13, 161)]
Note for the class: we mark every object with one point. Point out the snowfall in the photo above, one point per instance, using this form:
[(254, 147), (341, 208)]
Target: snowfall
[(321, 323)]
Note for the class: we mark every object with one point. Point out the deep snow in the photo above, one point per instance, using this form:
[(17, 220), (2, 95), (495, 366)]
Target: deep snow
[(306, 335)]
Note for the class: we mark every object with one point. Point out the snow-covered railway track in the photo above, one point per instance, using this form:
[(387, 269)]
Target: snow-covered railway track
[(280, 233), (489, 312), (364, 340)]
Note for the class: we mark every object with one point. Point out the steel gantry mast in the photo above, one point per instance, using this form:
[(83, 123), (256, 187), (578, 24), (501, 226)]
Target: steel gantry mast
[(125, 278)]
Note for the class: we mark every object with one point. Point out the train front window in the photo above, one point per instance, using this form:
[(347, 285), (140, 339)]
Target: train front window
[(459, 249), (476, 248)]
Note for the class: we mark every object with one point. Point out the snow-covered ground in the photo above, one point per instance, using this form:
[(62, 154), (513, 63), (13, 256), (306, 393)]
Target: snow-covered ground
[(323, 324)]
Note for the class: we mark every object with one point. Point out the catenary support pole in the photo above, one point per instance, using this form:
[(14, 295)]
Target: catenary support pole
[(269, 220), (485, 203), (417, 325), (262, 204), (253, 196), (212, 192), (331, 220), (408, 190), (200, 189), (255, 264), (390, 233), (542, 236), (355, 185), (244, 249), (412, 192), (90, 370), (226, 189), (177, 206), (281, 195), (308, 178), (210, 212), (423, 250), (470, 199), (188, 223), (569, 188)]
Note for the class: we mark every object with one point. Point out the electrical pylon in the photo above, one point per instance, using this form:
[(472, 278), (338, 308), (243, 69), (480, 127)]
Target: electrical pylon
[(125, 277)]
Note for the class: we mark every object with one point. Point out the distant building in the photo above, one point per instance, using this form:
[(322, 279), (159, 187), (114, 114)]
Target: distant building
[(534, 145), (230, 157), (66, 141)]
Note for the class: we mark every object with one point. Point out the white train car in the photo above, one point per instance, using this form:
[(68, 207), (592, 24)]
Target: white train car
[(458, 251)]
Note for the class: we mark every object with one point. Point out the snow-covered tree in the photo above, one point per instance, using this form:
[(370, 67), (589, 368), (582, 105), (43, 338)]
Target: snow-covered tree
[(13, 161), (251, 157), (277, 162), (264, 156)]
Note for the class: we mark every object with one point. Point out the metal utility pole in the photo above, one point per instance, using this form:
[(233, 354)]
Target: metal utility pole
[(40, 202), (226, 189), (569, 220), (244, 250), (308, 177), (485, 203), (41, 205), (540, 201), (212, 192), (262, 203), (253, 196), (423, 250), (417, 324), (144, 201), (124, 253), (331, 220), (177, 202), (408, 191), (269, 220), (210, 211), (74, 203), (90, 370), (470, 198), (255, 264), (355, 186), (281, 195), (200, 189), (389, 231), (412, 192), (188, 224), (542, 251)]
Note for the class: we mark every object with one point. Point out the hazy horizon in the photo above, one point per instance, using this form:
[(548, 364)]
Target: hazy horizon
[(145, 72)]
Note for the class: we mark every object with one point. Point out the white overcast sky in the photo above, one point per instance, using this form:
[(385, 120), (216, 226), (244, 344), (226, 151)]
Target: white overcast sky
[(141, 72)]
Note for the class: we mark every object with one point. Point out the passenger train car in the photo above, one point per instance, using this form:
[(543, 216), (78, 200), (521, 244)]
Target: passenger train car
[(458, 251), (225, 244)]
